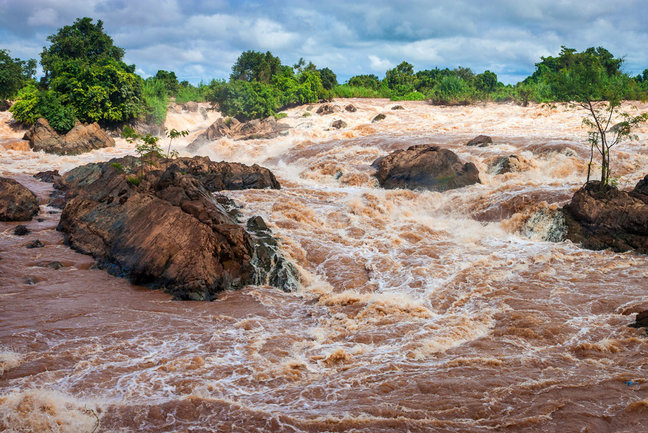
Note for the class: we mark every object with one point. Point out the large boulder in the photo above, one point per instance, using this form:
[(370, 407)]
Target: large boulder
[(600, 218), (325, 109), (80, 139), (17, 203), (229, 127), (167, 230), (425, 167)]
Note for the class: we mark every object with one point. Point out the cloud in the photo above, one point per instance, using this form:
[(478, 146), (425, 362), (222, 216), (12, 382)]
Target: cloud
[(201, 40)]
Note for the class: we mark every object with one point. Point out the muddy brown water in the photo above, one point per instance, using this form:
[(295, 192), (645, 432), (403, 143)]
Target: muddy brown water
[(419, 311)]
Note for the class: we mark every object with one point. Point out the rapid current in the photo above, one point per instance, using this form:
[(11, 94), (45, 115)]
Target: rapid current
[(418, 311)]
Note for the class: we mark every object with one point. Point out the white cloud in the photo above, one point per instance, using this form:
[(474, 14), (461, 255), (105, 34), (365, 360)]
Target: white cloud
[(378, 64), (42, 17)]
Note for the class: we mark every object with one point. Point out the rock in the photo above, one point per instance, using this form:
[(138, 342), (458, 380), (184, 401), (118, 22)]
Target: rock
[(351, 108), (325, 109), (191, 106), (509, 164), (4, 105), (425, 167), (52, 265), (378, 118), (82, 138), (480, 141), (232, 128), (47, 176), (608, 218), (147, 126), (35, 244), (641, 321), (546, 224), (338, 124), (397, 107), (168, 231), (21, 230), (17, 203), (642, 186)]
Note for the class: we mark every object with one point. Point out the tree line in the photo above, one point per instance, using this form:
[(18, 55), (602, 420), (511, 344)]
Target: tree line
[(85, 79)]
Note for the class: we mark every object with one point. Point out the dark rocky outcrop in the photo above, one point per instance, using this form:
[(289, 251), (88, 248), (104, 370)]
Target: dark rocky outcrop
[(4, 105), (397, 107), (338, 124), (17, 203), (351, 108), (325, 109), (480, 141), (35, 244), (82, 138), (47, 176), (642, 187), (167, 230), (229, 127), (378, 118), (21, 230), (425, 167), (641, 321), (600, 218)]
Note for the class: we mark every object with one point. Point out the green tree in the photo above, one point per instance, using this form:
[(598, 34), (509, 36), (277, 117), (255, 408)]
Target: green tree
[(486, 81), (82, 41), (401, 78), (14, 74), (256, 66), (328, 77), (170, 81), (370, 81), (593, 80)]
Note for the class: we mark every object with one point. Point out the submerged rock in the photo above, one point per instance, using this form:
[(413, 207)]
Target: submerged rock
[(480, 141), (21, 230), (351, 108), (17, 203), (82, 138), (338, 124), (397, 107), (325, 109), (378, 118), (425, 167), (509, 164), (231, 128), (47, 176), (641, 320), (608, 218), (35, 244), (546, 224), (166, 230)]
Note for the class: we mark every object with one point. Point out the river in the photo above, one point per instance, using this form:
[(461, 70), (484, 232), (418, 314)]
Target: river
[(418, 311)]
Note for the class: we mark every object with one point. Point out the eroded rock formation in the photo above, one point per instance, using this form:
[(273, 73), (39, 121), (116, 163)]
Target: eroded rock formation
[(82, 138), (17, 203)]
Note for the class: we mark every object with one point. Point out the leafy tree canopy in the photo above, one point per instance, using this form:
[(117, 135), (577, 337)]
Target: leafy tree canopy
[(256, 66), (14, 74), (83, 41)]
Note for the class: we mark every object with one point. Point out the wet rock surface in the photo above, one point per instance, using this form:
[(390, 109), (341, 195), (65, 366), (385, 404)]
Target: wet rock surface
[(338, 124), (641, 320), (80, 139), (325, 109), (378, 118), (425, 167), (231, 128), (167, 230), (509, 164), (17, 203), (351, 108), (608, 218), (21, 230), (480, 141)]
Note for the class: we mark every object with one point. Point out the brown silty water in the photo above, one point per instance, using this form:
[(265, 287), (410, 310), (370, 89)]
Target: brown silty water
[(418, 311)]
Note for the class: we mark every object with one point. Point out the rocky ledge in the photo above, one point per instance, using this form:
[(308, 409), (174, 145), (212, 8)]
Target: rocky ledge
[(17, 203), (425, 167), (161, 226), (82, 138), (232, 128), (609, 218)]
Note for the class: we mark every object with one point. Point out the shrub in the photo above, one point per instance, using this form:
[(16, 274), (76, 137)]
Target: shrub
[(155, 100), (33, 104)]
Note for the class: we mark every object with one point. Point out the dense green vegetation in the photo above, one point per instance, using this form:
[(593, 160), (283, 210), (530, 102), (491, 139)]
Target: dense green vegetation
[(14, 74)]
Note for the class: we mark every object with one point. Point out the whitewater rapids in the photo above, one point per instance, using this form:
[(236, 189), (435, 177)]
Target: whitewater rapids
[(419, 311)]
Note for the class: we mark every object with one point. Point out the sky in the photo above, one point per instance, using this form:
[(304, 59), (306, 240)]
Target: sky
[(200, 40)]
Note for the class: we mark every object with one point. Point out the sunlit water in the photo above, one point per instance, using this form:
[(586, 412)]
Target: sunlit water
[(419, 311)]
